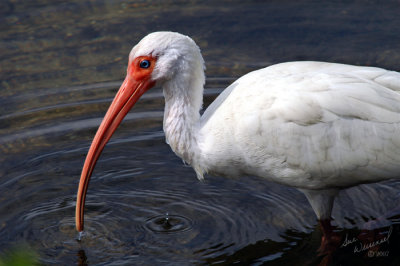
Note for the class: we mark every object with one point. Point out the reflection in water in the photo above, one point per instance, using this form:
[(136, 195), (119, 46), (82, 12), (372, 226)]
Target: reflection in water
[(61, 64), (82, 259)]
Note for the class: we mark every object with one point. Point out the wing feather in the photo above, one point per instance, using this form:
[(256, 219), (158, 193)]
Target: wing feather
[(309, 123)]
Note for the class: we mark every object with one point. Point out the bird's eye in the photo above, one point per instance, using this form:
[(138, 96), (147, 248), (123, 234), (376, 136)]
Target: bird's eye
[(144, 64)]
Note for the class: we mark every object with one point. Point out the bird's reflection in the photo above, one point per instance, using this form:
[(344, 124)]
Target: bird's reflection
[(82, 259)]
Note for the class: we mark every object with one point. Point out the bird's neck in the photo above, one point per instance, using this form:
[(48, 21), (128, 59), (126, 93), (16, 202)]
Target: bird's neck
[(183, 101)]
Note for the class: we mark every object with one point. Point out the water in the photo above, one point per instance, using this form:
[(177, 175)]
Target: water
[(60, 66)]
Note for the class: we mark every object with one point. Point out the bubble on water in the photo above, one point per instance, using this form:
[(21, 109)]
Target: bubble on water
[(80, 235)]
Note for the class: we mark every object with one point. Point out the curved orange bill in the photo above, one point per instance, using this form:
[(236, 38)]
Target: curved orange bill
[(127, 96)]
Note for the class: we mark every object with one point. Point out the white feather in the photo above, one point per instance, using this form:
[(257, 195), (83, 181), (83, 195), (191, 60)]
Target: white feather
[(315, 126), (310, 125)]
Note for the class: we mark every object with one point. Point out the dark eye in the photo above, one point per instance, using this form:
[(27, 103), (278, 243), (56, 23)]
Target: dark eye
[(144, 64)]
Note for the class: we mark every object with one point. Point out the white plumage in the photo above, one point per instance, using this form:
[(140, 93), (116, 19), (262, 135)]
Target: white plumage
[(316, 126), (311, 125)]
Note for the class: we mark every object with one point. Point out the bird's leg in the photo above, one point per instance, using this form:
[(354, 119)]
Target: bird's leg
[(322, 203), (330, 239)]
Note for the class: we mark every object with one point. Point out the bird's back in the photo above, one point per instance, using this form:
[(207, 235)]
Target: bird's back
[(307, 124)]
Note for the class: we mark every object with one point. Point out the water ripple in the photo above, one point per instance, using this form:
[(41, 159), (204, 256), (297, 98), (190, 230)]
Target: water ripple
[(73, 126)]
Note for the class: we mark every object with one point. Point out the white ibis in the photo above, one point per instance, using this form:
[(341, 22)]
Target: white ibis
[(319, 127)]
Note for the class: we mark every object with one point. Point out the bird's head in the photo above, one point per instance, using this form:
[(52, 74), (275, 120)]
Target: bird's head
[(171, 53), (159, 58)]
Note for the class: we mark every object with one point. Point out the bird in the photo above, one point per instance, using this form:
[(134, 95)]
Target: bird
[(316, 126)]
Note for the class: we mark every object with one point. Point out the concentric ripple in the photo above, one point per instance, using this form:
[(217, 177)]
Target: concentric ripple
[(169, 224)]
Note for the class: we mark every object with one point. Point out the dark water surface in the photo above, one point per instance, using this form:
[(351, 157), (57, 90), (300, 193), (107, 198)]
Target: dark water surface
[(60, 66)]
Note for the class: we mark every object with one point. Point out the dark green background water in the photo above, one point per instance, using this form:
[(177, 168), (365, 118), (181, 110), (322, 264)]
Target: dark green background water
[(61, 63)]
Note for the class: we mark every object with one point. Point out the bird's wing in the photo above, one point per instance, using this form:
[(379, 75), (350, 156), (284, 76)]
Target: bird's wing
[(301, 92), (309, 92), (312, 119)]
